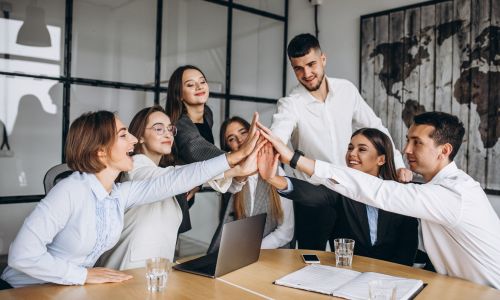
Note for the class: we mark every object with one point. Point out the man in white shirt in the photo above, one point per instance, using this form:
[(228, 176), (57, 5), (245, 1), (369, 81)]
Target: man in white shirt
[(460, 229), (318, 118)]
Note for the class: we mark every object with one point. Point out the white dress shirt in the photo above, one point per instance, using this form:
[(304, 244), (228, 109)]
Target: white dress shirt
[(79, 220), (322, 130), (461, 231), (283, 234)]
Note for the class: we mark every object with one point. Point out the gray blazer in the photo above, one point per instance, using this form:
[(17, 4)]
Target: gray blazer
[(190, 146)]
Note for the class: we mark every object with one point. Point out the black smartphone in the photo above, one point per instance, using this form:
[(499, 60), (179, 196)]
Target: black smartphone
[(310, 258)]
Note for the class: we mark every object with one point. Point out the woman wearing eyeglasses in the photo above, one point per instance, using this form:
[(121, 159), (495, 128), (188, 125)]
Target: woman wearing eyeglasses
[(149, 230)]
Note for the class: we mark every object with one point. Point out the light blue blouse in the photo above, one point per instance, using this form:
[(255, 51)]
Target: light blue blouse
[(78, 221)]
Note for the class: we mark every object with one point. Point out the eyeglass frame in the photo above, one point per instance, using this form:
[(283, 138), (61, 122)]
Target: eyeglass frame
[(170, 128)]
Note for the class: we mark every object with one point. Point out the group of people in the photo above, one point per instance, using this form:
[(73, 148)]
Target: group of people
[(130, 194)]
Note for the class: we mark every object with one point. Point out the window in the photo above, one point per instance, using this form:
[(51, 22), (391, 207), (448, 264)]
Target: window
[(118, 55)]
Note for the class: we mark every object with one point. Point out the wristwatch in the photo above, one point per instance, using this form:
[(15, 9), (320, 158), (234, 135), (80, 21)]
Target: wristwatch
[(295, 158)]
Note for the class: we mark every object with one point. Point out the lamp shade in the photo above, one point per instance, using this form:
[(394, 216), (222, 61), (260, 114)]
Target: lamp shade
[(34, 31)]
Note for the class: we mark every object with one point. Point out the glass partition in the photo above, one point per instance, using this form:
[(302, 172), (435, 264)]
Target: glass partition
[(114, 40), (30, 117), (257, 56)]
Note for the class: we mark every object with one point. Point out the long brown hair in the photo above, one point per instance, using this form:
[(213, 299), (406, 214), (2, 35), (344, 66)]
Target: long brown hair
[(383, 145), (174, 106), (138, 128), (239, 201)]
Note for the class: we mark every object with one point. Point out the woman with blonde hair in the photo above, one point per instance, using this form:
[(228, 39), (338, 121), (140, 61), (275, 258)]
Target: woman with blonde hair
[(256, 196)]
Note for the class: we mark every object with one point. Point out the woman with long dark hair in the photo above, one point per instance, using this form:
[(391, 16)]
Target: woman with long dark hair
[(187, 107), (378, 233)]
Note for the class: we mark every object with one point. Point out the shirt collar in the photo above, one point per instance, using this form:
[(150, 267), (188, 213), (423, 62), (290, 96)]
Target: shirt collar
[(449, 169), (310, 98), (99, 191)]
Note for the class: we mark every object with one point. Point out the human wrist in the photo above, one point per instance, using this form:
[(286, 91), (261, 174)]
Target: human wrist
[(297, 154), (279, 182)]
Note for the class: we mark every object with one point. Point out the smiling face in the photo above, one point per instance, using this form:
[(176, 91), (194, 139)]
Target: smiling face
[(236, 134), (194, 87), (120, 152), (424, 156), (156, 144), (310, 69), (363, 156)]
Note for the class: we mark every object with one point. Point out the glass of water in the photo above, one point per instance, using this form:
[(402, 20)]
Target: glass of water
[(157, 271), (344, 248)]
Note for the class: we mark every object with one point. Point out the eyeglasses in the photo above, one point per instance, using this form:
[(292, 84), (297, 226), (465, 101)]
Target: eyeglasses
[(160, 129)]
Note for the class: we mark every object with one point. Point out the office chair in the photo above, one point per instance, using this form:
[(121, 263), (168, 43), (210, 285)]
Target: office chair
[(55, 174)]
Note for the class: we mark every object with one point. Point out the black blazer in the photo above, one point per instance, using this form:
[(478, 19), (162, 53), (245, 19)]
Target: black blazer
[(397, 235)]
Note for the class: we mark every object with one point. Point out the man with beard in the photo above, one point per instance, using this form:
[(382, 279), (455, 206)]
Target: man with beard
[(318, 118)]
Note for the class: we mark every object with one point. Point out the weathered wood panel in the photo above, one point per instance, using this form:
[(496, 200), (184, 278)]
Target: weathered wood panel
[(427, 42), (493, 175), (439, 57), (461, 88), (367, 62), (444, 56), (380, 94), (479, 85), (395, 71), (414, 55)]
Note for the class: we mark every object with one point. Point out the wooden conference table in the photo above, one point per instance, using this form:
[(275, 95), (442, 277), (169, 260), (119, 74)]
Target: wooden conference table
[(253, 282)]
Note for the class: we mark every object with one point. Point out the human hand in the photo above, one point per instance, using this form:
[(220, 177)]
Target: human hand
[(286, 153), (267, 162), (191, 193), (249, 165), (247, 147), (103, 275), (404, 175)]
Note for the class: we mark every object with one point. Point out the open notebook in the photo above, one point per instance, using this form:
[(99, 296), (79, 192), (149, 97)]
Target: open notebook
[(345, 283)]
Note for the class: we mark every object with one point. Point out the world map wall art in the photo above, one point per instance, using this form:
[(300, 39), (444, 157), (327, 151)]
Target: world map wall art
[(438, 56)]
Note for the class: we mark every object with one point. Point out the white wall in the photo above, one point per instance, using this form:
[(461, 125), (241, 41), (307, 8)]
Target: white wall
[(338, 23)]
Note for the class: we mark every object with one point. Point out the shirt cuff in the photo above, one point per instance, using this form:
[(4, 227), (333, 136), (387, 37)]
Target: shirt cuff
[(220, 162), (289, 187), (322, 170), (75, 276)]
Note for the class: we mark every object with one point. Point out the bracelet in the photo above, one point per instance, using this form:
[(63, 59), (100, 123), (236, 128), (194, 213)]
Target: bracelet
[(295, 158)]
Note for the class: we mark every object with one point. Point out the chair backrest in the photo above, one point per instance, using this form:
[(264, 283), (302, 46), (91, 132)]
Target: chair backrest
[(55, 174)]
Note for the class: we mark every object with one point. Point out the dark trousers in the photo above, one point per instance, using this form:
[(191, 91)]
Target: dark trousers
[(314, 226), (4, 285)]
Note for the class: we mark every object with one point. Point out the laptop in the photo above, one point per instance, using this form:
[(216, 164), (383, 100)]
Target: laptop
[(239, 247)]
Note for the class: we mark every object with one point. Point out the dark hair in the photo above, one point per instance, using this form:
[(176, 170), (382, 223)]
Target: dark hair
[(88, 134), (174, 106), (383, 145), (138, 128), (447, 129), (302, 44), (238, 198), (223, 145)]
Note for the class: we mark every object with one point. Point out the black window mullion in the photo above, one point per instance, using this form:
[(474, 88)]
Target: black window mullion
[(229, 42), (68, 31), (285, 42), (159, 20)]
